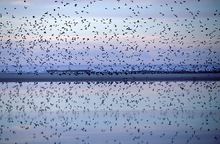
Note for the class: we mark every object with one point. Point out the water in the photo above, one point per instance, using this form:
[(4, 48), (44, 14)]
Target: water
[(110, 112)]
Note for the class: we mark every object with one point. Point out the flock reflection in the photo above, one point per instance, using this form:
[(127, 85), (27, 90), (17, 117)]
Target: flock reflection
[(110, 112)]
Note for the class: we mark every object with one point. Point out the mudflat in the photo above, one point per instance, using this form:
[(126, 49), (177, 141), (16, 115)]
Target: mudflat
[(47, 77)]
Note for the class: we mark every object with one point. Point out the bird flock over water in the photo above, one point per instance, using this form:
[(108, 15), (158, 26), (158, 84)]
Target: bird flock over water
[(37, 33), (110, 112), (99, 32)]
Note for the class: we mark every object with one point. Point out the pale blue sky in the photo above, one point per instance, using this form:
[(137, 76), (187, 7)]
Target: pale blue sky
[(109, 32)]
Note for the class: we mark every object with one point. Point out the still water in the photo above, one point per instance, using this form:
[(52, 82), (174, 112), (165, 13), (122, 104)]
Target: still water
[(110, 112)]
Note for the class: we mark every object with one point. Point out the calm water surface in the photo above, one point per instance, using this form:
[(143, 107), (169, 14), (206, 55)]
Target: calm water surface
[(138, 112)]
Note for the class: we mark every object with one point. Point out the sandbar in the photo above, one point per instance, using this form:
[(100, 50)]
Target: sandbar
[(47, 77)]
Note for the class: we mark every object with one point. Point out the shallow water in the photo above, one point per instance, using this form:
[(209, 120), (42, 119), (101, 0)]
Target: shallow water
[(110, 112)]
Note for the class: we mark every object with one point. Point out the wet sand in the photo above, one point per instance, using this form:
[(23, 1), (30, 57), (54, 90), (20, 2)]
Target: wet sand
[(47, 77)]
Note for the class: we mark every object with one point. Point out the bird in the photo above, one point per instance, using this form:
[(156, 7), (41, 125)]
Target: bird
[(109, 39)]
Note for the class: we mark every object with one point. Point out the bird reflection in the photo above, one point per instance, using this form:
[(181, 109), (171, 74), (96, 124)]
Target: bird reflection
[(84, 112)]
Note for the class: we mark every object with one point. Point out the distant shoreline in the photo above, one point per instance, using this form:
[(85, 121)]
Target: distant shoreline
[(105, 76)]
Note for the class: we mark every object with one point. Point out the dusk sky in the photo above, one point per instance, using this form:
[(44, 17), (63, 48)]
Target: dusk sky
[(115, 32)]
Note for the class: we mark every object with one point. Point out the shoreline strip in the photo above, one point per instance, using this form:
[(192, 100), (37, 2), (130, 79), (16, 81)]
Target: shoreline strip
[(47, 77)]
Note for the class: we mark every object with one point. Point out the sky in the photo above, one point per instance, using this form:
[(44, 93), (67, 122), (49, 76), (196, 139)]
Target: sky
[(112, 32)]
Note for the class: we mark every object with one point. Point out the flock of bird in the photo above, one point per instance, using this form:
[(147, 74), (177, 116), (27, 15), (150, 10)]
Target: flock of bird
[(110, 112), (96, 33)]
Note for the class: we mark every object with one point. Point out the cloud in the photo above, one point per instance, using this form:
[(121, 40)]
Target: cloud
[(21, 3)]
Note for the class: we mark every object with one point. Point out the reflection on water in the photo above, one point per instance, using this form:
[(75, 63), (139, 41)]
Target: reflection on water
[(110, 112)]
